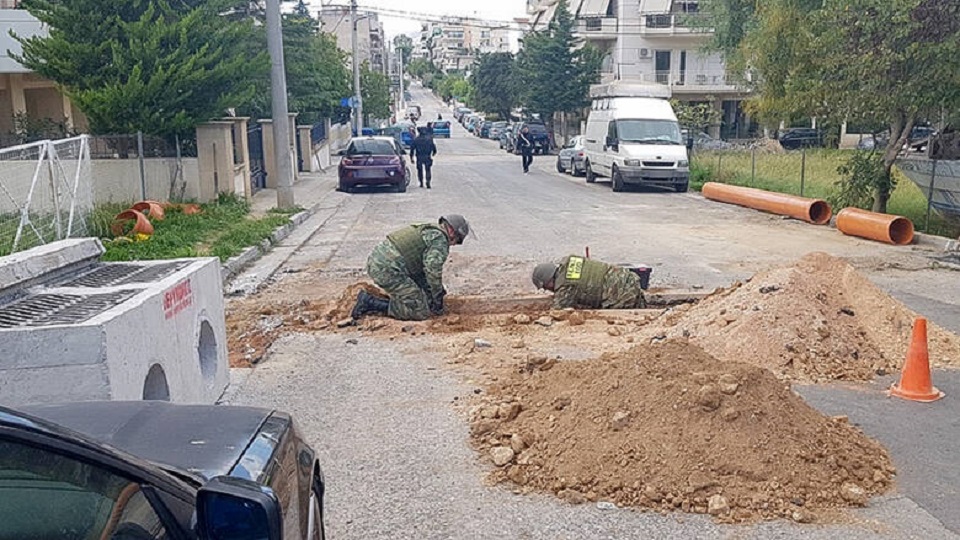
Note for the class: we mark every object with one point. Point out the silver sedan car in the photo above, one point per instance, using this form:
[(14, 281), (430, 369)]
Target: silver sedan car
[(571, 159)]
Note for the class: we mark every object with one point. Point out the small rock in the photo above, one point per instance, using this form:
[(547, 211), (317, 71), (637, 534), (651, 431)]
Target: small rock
[(879, 477), (576, 319), (853, 494), (345, 323), (717, 505), (545, 321), (517, 444), (709, 397), (559, 314), (847, 311), (352, 341), (522, 318), (454, 320), (572, 496), (769, 289), (841, 419), (376, 326), (518, 344), (613, 331), (803, 516), (730, 414), (406, 329), (536, 359), (509, 411), (483, 427), (728, 384), (651, 493), (481, 343), (620, 420), (517, 476), (501, 455), (561, 403), (548, 365), (489, 412), (606, 505)]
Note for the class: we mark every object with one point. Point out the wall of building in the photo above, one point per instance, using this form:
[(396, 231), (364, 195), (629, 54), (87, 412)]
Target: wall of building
[(118, 180)]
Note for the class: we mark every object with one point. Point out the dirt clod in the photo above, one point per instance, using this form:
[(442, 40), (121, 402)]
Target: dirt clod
[(522, 318), (576, 319), (501, 455)]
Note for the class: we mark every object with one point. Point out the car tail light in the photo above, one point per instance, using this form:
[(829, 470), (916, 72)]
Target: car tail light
[(346, 161), (579, 154)]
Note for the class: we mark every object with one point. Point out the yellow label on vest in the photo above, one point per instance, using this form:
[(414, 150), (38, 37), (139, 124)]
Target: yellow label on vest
[(575, 268)]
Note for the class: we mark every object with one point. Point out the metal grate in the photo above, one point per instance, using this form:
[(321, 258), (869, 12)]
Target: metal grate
[(108, 275), (53, 309)]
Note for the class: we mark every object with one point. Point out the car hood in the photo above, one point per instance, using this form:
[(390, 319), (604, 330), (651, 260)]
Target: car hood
[(666, 152), (203, 440)]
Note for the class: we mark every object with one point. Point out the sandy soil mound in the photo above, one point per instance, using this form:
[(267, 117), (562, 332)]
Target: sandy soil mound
[(818, 319), (669, 427)]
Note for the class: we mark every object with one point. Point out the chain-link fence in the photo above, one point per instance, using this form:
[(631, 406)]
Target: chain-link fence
[(46, 192)]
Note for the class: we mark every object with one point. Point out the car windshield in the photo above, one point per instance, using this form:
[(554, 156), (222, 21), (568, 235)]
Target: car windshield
[(649, 131), (372, 147), (441, 124), (537, 129)]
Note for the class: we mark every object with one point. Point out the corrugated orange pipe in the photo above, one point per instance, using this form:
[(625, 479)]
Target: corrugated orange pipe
[(881, 227), (814, 211)]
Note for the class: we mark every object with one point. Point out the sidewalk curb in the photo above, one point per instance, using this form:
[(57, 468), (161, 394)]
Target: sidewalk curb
[(236, 264)]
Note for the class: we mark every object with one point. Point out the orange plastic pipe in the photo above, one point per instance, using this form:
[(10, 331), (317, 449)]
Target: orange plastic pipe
[(881, 227), (141, 225), (813, 211), (151, 209)]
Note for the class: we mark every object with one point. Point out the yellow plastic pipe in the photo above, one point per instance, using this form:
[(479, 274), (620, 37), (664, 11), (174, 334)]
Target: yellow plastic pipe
[(887, 228), (814, 211)]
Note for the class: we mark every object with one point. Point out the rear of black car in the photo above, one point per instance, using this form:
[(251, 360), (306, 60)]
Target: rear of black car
[(537, 133)]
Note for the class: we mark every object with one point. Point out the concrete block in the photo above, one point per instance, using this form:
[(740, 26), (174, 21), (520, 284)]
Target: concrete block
[(24, 268), (163, 338)]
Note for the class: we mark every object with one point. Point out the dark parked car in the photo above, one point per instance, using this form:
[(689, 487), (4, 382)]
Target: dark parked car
[(538, 136), (484, 129), (373, 161), (571, 157), (793, 139), (149, 470)]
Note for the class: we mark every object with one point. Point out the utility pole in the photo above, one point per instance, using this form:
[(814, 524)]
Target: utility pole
[(357, 97), (278, 98), (402, 108)]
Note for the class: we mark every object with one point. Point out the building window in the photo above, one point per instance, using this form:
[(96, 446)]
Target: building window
[(593, 24), (658, 21)]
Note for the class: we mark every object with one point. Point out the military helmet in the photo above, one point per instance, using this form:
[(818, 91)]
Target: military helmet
[(459, 225), (544, 273)]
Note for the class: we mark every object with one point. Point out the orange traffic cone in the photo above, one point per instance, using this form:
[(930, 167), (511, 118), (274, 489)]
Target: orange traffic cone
[(915, 382)]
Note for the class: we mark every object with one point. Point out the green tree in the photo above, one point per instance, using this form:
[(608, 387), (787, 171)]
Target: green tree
[(696, 115), (493, 84), (455, 86), (375, 89), (152, 65), (554, 72), (404, 45), (317, 75), (865, 61)]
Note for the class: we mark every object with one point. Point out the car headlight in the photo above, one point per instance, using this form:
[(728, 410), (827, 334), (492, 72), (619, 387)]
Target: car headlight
[(632, 162), (683, 163)]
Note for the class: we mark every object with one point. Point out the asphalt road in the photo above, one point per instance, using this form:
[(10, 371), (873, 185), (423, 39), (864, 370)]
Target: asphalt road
[(395, 451)]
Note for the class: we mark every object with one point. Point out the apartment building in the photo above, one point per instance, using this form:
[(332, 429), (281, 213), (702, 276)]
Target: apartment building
[(656, 42), (371, 40), (455, 47)]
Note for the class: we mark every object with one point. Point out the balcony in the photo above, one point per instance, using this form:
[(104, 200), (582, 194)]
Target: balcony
[(668, 24), (597, 28), (694, 82)]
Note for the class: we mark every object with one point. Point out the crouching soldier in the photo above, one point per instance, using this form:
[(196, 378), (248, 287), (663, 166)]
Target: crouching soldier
[(583, 283), (408, 265)]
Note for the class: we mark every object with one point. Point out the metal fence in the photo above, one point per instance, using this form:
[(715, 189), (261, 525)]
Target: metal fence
[(148, 167), (318, 133), (46, 192)]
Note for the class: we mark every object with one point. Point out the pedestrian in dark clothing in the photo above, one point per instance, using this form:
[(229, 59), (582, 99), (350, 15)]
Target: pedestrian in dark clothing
[(422, 151), (525, 145)]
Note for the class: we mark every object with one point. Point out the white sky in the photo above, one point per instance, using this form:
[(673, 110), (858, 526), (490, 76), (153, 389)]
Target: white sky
[(498, 10)]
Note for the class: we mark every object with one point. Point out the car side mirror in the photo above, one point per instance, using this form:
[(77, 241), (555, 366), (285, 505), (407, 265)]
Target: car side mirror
[(230, 508), (341, 152)]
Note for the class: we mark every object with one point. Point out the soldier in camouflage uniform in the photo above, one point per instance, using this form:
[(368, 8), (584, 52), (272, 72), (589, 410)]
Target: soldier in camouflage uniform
[(408, 265), (588, 284)]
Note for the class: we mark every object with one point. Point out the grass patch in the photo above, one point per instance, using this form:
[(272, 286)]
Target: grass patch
[(222, 229), (782, 173)]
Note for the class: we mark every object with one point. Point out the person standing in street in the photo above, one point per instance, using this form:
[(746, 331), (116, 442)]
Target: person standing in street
[(525, 145), (422, 151), (408, 265)]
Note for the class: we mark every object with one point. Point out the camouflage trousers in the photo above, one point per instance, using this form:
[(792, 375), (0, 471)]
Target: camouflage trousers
[(408, 300)]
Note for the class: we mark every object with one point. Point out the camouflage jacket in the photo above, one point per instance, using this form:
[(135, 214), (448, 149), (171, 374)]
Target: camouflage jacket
[(620, 290)]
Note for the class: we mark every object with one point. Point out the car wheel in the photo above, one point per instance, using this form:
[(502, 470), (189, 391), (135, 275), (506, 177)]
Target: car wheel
[(577, 172), (590, 177), (560, 168), (616, 180), (682, 188), (344, 188)]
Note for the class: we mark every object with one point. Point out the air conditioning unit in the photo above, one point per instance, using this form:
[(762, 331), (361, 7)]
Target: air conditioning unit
[(644, 53)]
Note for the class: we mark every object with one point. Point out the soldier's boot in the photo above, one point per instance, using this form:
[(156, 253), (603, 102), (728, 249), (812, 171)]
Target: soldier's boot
[(368, 303)]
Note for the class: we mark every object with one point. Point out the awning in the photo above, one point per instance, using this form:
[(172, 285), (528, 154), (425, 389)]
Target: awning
[(544, 18), (595, 8), (654, 6)]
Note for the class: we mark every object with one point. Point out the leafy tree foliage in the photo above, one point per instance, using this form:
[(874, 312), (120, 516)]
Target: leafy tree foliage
[(404, 45), (317, 75), (375, 89), (493, 84), (889, 61), (554, 72), (160, 66), (697, 116)]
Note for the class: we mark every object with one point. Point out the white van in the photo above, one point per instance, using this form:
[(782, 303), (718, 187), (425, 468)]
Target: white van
[(633, 137)]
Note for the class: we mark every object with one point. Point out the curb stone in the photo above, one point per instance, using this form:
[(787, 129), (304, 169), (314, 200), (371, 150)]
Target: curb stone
[(237, 263)]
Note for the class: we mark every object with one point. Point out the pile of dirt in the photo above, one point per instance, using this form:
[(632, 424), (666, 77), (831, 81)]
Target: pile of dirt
[(669, 427), (818, 319)]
